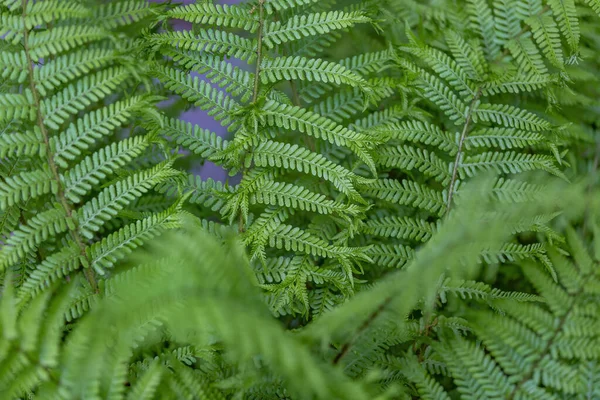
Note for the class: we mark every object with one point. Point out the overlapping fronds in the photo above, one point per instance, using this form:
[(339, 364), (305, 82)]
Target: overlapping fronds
[(276, 141), (62, 117)]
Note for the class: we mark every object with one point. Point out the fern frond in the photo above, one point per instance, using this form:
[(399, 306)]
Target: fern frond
[(94, 213), (296, 118), (420, 132), (85, 131), (527, 56), (105, 253), (481, 17), (203, 142), (62, 38), (503, 138), (284, 155), (212, 41), (310, 69), (200, 93), (508, 162), (22, 144), (401, 228), (81, 94), (391, 256), (39, 13), (297, 197), (517, 83), (466, 57), (408, 193), (54, 267), (512, 117), (216, 14), (565, 14), (407, 158), (30, 235), (81, 178), (16, 106), (121, 13), (65, 68), (233, 79), (305, 25), (547, 35), (25, 186)]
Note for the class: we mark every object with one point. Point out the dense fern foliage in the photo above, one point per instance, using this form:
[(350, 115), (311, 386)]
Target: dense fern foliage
[(74, 153), (411, 208)]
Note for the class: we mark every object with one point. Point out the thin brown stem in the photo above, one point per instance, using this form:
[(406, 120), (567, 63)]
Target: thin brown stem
[(366, 323), (261, 24), (60, 194), (548, 347), (458, 157), (255, 91)]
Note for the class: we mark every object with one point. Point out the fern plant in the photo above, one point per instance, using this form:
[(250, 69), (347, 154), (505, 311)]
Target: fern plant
[(74, 152), (295, 206), (355, 214)]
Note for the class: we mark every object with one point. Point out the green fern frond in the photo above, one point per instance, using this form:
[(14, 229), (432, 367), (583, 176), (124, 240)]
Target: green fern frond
[(80, 95), (527, 56), (565, 14), (407, 158), (310, 69), (29, 236), (81, 178), (22, 144), (508, 162), (401, 228), (16, 106), (81, 134), (391, 256), (297, 197), (512, 117), (25, 186), (483, 21), (294, 157), (121, 13), (503, 138), (94, 213), (233, 79), (421, 132), (211, 41), (408, 193), (466, 56), (547, 35), (216, 14), (105, 253), (296, 118), (62, 38), (306, 25), (197, 91)]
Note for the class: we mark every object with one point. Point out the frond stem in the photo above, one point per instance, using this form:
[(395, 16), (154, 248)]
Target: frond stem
[(366, 323), (261, 23), (550, 342), (461, 143), (89, 273)]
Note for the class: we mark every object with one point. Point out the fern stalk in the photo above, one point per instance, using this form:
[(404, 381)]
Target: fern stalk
[(557, 331), (261, 23), (60, 194), (459, 153)]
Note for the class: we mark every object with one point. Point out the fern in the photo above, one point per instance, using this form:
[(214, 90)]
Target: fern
[(77, 89), (398, 221), (276, 139)]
